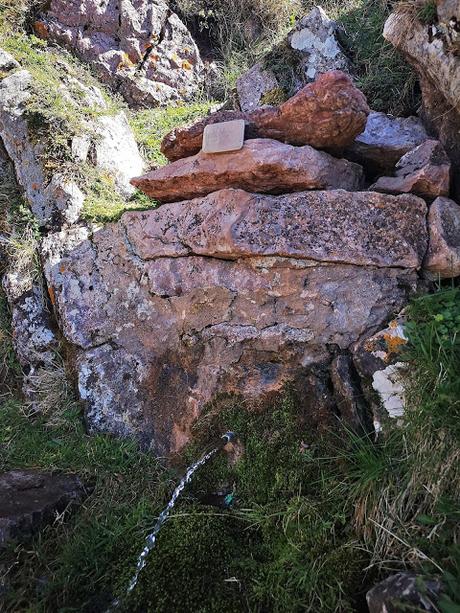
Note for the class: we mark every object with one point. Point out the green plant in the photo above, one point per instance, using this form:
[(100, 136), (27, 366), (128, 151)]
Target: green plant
[(151, 125)]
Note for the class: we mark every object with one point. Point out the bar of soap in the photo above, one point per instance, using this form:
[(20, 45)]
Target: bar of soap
[(222, 137)]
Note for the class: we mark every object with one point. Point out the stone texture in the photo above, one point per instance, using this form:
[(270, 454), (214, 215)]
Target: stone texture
[(312, 46), (404, 591), (106, 142), (360, 228), (449, 22), (443, 255), (253, 85), (160, 329), (262, 165), (377, 359), (385, 140), (30, 499), (424, 171), (139, 47), (438, 68), (325, 114), (317, 38)]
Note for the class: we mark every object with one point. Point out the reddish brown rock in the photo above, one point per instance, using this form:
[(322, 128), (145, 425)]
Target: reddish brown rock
[(361, 228), (262, 165), (443, 255), (424, 171), (326, 114)]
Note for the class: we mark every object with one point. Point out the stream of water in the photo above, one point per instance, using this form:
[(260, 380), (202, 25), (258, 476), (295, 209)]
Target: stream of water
[(152, 537)]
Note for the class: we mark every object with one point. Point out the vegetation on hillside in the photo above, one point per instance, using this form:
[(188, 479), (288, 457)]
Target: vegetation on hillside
[(315, 521)]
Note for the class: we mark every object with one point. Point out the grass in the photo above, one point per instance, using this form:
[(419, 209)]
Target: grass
[(316, 520), (151, 125)]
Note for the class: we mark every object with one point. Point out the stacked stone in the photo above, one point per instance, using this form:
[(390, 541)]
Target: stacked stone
[(264, 266)]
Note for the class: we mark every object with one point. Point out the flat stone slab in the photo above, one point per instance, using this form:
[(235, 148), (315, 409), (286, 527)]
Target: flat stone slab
[(29, 499), (361, 228), (262, 165), (222, 137)]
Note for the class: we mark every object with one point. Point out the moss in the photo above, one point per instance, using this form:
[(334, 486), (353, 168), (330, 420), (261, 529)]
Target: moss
[(191, 568), (274, 97)]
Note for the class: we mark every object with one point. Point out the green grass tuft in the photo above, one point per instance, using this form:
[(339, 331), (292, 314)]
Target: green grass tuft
[(151, 125)]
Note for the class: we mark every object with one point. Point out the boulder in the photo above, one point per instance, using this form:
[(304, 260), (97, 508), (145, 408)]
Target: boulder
[(235, 293), (139, 47), (360, 228), (311, 48), (443, 255), (438, 67), (30, 499), (326, 114), (262, 165), (385, 140), (404, 591), (424, 171)]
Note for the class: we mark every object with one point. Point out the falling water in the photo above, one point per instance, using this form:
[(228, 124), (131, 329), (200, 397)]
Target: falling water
[(152, 537)]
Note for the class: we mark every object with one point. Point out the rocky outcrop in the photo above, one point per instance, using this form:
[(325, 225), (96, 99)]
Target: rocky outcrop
[(262, 165), (168, 309), (326, 114), (424, 171), (105, 142), (443, 256), (438, 67), (385, 140), (313, 47), (30, 499), (140, 48)]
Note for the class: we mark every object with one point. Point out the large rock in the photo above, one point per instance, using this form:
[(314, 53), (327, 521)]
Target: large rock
[(312, 46), (106, 142), (385, 140), (366, 229), (438, 67), (326, 114), (443, 256), (424, 171), (235, 293), (139, 47), (30, 499), (262, 165)]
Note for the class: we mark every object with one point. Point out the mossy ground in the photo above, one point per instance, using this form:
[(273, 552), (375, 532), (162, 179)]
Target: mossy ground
[(315, 521)]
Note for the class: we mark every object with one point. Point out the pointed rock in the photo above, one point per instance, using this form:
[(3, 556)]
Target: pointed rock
[(262, 165), (424, 171), (443, 255), (326, 114)]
